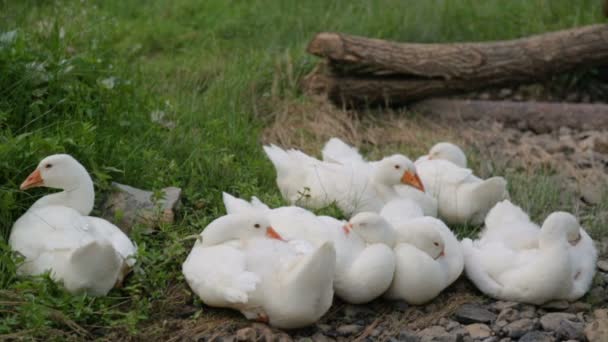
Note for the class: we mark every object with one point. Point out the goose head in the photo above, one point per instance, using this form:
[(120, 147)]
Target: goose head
[(62, 171), (450, 152), (560, 227), (430, 242), (397, 169), (59, 171), (423, 234), (372, 228), (238, 227)]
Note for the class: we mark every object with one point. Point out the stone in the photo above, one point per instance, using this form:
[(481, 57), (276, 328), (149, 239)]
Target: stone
[(580, 306), (558, 305), (536, 336), (128, 206), (508, 315), (490, 339), (501, 305), (407, 336), (437, 333), (246, 334), (358, 312), (478, 330), (451, 325), (597, 330), (602, 265), (473, 313), (318, 337), (519, 328), (349, 329), (563, 324)]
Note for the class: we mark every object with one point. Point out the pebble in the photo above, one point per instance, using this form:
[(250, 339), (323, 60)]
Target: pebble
[(246, 334), (473, 313), (602, 265), (436, 333), (519, 328), (580, 306), (478, 330), (318, 337), (508, 315), (557, 305), (407, 336), (597, 330), (536, 336), (563, 324), (349, 329)]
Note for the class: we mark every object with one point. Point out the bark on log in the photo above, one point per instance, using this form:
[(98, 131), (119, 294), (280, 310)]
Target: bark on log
[(360, 70), (539, 117)]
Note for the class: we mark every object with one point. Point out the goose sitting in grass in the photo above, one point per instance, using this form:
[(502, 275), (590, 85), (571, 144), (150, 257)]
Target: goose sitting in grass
[(307, 181), (86, 253), (337, 151), (461, 196), (531, 275), (428, 255), (364, 256), (509, 224), (446, 151), (240, 262)]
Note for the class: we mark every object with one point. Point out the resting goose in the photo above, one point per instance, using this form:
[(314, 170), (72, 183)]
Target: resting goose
[(240, 262), (337, 151), (354, 188), (364, 257), (533, 275), (461, 196), (420, 273), (446, 151), (403, 214), (87, 254), (509, 224)]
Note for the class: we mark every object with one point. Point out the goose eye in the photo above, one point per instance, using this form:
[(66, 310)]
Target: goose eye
[(436, 244), (257, 225), (48, 166), (397, 167)]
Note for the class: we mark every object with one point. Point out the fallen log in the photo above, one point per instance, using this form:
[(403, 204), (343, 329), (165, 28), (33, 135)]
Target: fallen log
[(358, 70), (539, 117)]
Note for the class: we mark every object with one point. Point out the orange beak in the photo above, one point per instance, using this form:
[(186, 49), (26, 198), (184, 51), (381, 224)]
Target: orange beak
[(32, 181), (346, 228), (412, 179), (271, 233)]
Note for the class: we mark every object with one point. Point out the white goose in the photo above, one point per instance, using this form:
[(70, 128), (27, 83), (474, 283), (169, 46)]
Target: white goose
[(315, 184), (534, 275), (403, 214), (461, 196), (234, 265), (446, 151), (421, 273), (364, 257), (87, 254), (337, 151), (509, 224)]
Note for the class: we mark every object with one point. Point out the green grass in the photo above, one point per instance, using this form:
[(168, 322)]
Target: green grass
[(83, 77)]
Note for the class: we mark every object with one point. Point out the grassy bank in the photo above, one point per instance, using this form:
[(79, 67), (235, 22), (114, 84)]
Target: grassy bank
[(84, 77)]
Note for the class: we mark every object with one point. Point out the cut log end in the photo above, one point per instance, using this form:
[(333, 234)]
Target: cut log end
[(326, 44)]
